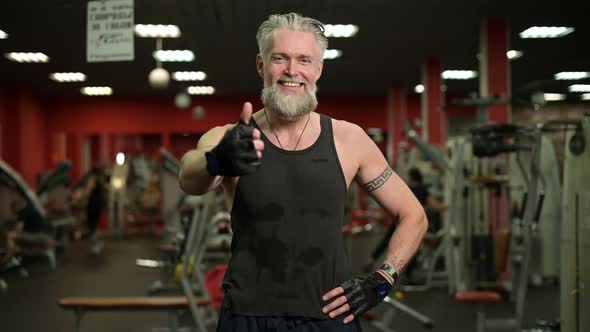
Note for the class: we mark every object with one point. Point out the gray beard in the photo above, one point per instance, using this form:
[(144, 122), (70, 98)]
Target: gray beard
[(288, 107)]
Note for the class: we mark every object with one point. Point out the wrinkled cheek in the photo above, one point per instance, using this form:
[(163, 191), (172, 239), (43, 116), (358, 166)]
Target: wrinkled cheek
[(269, 80)]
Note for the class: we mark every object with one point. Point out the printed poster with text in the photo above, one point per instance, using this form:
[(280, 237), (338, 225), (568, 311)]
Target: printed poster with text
[(110, 31)]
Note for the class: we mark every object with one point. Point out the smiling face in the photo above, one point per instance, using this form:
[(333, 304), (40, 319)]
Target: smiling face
[(290, 71)]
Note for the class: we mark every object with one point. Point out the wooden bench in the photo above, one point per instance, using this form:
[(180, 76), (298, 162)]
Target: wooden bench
[(478, 297), (172, 304), (169, 249)]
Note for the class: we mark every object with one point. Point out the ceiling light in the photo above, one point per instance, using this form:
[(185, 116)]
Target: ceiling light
[(572, 75), (96, 91), (458, 74), (159, 78), (120, 158), (546, 32), (27, 57), (174, 55), (68, 77), (189, 76), (157, 31), (585, 96), (340, 30), (553, 96), (198, 113), (419, 88), (332, 54), (3, 35), (182, 100), (514, 54), (201, 90), (579, 88)]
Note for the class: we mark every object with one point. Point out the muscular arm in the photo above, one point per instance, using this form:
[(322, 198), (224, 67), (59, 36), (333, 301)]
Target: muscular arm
[(388, 189), (366, 163), (193, 176)]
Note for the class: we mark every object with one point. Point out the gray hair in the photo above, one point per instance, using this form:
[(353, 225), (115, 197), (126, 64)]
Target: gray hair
[(291, 21)]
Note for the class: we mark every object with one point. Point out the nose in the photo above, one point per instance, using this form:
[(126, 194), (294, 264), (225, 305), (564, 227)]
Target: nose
[(292, 68)]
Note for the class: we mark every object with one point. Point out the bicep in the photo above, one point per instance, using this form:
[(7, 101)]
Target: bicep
[(211, 138), (379, 180)]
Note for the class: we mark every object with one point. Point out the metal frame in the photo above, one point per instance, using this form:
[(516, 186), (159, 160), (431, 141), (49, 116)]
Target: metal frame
[(394, 306), (521, 256), (195, 246), (575, 231)]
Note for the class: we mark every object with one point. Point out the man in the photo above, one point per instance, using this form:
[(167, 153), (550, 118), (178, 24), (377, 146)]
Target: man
[(286, 170)]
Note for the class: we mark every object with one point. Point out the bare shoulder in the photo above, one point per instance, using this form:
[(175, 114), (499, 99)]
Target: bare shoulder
[(348, 133), (213, 136)]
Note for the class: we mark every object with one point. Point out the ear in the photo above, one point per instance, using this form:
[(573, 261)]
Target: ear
[(260, 65)]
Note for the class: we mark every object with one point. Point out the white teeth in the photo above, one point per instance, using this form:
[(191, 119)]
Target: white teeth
[(293, 84)]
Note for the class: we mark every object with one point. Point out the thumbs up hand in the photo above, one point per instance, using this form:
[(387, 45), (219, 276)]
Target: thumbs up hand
[(239, 151)]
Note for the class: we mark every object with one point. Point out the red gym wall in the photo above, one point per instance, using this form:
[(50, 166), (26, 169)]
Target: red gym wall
[(36, 132), (22, 129), (159, 115)]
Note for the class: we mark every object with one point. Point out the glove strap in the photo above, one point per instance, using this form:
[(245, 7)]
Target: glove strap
[(212, 164), (390, 271)]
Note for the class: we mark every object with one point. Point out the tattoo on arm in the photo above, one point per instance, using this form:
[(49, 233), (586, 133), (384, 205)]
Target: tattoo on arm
[(379, 181), (397, 264)]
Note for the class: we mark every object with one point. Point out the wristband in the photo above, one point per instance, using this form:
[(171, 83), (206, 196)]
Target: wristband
[(212, 163), (390, 271)]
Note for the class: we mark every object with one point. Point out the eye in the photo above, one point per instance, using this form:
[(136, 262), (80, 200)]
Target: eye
[(276, 58)]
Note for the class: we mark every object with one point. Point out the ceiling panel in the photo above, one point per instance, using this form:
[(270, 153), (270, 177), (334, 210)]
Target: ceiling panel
[(393, 41)]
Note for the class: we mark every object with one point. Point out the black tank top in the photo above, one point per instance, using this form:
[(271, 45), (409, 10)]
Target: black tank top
[(287, 248)]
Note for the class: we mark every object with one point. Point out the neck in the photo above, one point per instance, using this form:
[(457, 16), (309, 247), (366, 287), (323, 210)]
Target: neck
[(280, 124), (289, 135)]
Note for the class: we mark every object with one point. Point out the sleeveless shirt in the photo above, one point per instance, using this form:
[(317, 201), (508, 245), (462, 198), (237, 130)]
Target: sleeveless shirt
[(287, 248)]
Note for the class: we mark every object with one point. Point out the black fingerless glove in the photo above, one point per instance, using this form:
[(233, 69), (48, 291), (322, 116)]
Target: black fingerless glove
[(365, 292), (235, 154)]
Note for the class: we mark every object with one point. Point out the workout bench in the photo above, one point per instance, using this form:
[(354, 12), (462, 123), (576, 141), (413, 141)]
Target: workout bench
[(174, 305)]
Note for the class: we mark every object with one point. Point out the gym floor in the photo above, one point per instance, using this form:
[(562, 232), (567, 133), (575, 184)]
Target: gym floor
[(30, 303)]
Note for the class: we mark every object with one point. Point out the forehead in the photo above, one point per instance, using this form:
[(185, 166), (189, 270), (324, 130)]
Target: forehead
[(295, 42)]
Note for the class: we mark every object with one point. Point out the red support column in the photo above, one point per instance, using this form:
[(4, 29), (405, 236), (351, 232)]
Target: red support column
[(494, 66), (10, 121), (434, 122), (31, 134), (105, 149), (59, 151), (74, 154), (396, 115), (95, 150), (86, 154)]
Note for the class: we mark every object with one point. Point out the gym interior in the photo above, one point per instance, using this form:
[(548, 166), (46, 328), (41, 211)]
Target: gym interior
[(483, 104)]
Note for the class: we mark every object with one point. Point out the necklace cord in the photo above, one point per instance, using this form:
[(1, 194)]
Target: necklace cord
[(277, 137)]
